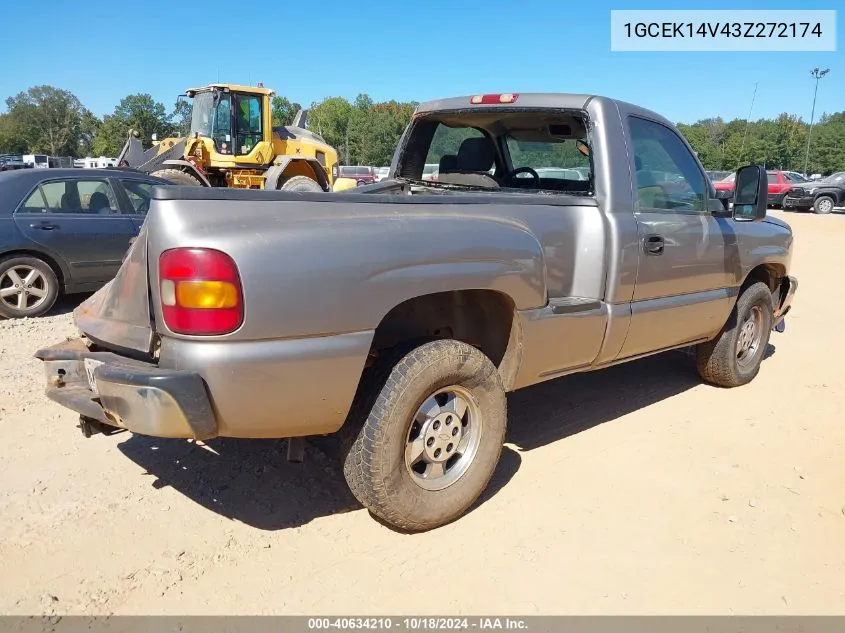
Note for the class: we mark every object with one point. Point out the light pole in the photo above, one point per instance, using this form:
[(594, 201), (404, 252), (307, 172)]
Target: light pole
[(818, 74)]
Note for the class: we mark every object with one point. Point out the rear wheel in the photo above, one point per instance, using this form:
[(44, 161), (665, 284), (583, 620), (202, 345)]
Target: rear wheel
[(178, 177), (28, 287), (823, 204), (733, 358), (300, 183), (426, 437)]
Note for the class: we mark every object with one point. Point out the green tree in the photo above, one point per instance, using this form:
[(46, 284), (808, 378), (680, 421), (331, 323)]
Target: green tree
[(47, 119), (135, 112), (331, 119), (283, 110)]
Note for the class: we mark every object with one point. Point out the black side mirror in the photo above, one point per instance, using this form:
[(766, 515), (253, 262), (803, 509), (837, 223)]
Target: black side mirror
[(751, 194)]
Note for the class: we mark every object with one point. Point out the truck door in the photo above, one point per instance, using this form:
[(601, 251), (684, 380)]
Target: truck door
[(682, 291)]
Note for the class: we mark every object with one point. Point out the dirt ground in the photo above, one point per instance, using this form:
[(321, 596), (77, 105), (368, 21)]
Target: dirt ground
[(633, 490)]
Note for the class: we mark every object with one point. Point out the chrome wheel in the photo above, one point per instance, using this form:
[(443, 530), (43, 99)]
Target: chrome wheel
[(23, 288), (825, 205), (750, 335), (443, 439)]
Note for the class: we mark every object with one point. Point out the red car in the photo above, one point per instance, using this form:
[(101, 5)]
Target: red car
[(780, 182), (363, 175)]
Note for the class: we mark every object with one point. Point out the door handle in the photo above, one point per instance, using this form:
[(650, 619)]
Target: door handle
[(44, 226), (653, 245)]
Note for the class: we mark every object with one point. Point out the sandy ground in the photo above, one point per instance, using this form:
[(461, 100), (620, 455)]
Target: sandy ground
[(633, 490)]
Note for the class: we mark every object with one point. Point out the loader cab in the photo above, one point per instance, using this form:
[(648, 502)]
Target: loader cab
[(234, 118)]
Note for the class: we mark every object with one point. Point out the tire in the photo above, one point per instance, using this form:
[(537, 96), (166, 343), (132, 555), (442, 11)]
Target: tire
[(18, 269), (300, 183), (405, 487), (178, 177), (823, 205), (733, 358)]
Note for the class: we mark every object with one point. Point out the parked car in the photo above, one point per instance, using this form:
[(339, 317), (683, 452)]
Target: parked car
[(400, 321), (381, 173), (822, 196), (64, 231), (362, 175), (780, 182), (430, 171), (718, 175)]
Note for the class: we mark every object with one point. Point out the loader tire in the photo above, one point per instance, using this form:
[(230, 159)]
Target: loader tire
[(177, 177), (300, 183), (427, 433), (733, 358)]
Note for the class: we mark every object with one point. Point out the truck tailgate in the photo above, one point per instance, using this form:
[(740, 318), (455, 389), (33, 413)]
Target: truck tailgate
[(119, 313)]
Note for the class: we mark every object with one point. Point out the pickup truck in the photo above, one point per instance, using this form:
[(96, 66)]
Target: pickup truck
[(822, 196), (398, 315)]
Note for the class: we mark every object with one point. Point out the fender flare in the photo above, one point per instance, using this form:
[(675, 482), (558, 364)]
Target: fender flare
[(274, 174), (188, 166)]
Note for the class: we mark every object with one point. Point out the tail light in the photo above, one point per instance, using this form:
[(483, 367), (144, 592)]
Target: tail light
[(201, 291)]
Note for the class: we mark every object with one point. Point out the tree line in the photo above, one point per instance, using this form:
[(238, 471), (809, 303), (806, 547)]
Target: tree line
[(50, 120)]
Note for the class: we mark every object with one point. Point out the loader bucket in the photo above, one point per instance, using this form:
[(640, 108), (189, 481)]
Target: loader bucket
[(132, 154)]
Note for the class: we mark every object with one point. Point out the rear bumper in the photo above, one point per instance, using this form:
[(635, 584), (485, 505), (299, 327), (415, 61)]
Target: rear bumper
[(208, 388), (132, 395), (791, 285)]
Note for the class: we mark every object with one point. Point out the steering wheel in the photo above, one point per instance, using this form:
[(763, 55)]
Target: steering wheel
[(526, 170)]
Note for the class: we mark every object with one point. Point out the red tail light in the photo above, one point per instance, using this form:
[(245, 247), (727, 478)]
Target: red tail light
[(200, 291)]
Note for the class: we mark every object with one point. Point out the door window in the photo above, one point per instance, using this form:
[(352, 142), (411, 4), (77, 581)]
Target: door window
[(248, 118), (668, 177), (73, 196), (139, 194)]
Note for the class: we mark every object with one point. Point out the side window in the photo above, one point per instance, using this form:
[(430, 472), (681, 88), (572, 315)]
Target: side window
[(34, 203), (668, 178), (139, 194), (79, 196), (96, 196), (248, 121)]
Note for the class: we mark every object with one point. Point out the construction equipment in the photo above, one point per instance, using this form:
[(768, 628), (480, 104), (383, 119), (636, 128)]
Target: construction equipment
[(232, 143)]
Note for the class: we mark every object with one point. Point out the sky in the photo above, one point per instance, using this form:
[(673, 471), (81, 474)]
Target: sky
[(102, 50)]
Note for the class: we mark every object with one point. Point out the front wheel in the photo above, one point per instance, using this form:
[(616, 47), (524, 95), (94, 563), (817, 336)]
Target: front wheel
[(28, 287), (823, 205), (733, 358), (177, 177), (300, 183), (431, 435)]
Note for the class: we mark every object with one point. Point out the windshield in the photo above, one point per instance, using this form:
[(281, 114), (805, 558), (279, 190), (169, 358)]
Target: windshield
[(837, 177), (213, 121)]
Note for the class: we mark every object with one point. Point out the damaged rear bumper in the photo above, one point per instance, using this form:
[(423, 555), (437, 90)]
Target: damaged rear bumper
[(128, 394)]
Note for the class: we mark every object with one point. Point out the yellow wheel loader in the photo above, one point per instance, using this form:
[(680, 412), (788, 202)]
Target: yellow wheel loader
[(232, 143)]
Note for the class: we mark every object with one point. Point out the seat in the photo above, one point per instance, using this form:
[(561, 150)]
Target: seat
[(99, 203), (448, 164), (475, 157)]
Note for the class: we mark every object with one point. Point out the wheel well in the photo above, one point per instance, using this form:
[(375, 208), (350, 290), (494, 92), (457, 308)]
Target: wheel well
[(769, 274), (485, 319), (302, 167), (52, 263), (773, 275)]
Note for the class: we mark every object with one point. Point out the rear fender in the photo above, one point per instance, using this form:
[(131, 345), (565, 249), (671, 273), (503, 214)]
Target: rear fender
[(273, 176)]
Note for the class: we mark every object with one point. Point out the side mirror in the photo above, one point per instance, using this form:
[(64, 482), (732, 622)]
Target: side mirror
[(751, 194)]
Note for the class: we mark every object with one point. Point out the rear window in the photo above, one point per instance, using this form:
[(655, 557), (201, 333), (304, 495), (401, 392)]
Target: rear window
[(507, 150), (773, 178)]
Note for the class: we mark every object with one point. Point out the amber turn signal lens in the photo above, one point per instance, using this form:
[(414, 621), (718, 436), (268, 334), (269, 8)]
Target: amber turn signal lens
[(206, 294)]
